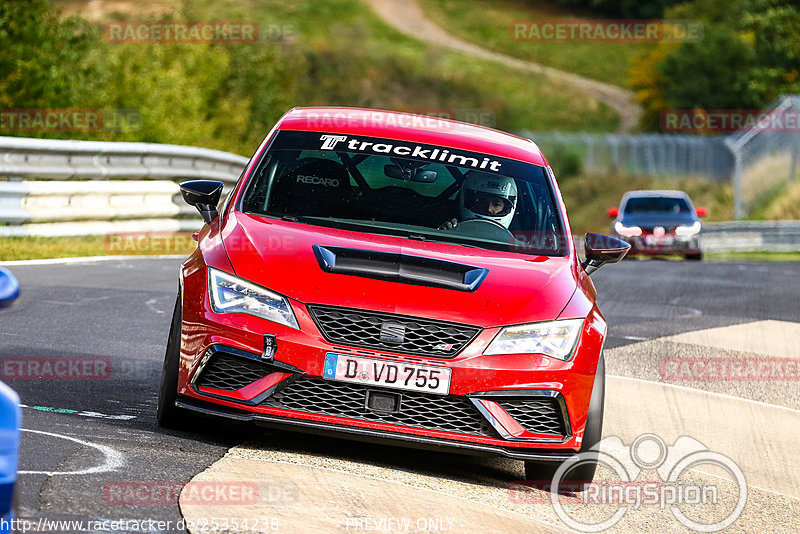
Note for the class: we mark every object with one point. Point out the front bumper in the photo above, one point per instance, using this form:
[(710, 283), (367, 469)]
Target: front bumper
[(520, 406)]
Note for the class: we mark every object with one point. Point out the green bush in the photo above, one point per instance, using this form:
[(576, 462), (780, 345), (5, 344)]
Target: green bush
[(749, 55), (565, 162)]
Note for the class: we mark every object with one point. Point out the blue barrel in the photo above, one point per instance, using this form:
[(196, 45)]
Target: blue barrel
[(10, 421), (9, 288)]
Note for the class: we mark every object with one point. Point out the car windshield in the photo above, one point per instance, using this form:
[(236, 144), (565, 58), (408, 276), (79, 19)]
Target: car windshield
[(657, 204), (406, 189)]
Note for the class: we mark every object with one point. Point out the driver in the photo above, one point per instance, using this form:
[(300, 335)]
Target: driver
[(485, 196)]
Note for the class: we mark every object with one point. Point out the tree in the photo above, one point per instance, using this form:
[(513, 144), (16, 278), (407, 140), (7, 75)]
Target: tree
[(42, 56), (710, 74)]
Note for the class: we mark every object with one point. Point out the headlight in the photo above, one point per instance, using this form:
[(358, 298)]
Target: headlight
[(554, 338), (628, 231), (230, 294), (688, 230)]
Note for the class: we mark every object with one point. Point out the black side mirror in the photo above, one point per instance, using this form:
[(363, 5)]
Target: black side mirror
[(602, 249), (203, 195)]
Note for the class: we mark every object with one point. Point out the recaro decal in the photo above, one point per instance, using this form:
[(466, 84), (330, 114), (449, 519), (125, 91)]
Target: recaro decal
[(316, 180), (443, 155)]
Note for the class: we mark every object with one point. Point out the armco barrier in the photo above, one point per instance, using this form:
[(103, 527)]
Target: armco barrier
[(744, 236), (63, 160), (87, 187), (107, 187), (752, 236)]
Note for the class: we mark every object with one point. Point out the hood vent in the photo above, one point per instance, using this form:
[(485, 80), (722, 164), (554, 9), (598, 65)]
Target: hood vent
[(403, 268)]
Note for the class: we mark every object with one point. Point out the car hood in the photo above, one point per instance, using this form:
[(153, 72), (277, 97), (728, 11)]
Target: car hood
[(279, 255), (650, 220)]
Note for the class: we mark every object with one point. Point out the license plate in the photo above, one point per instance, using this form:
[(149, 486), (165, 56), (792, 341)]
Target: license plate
[(665, 240), (388, 374)]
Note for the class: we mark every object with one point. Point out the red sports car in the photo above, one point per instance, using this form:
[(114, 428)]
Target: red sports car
[(379, 275)]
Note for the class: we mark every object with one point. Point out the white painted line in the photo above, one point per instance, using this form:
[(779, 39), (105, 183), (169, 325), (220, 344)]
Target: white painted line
[(635, 338), (723, 395), (90, 259), (113, 458), (151, 305), (80, 413)]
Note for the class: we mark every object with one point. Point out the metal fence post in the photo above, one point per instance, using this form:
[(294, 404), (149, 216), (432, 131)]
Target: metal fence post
[(738, 209)]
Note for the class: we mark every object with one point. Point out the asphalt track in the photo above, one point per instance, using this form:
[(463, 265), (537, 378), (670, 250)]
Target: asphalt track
[(89, 439)]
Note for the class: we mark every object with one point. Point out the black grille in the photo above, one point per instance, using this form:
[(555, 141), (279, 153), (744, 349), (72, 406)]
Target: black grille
[(542, 416), (360, 328), (450, 413), (229, 372)]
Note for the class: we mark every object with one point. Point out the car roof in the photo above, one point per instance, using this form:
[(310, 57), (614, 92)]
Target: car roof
[(414, 128), (671, 193)]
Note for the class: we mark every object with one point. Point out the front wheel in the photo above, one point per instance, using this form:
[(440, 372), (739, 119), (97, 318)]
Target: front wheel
[(584, 472), (696, 257), (169, 415)]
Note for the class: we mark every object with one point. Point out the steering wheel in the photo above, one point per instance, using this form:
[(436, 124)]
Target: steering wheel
[(484, 228)]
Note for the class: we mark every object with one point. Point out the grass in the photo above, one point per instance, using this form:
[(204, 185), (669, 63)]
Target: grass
[(785, 204), (489, 24), (333, 52), (351, 57), (28, 248), (753, 256)]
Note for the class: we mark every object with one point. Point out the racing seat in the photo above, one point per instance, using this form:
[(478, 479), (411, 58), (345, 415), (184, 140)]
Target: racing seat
[(314, 187)]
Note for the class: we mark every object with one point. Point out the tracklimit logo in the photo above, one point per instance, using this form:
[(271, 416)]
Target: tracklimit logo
[(330, 142)]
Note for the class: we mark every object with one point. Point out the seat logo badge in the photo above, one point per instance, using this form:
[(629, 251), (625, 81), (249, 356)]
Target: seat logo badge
[(392, 332)]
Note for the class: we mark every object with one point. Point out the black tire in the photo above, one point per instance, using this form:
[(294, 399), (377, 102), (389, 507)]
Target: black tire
[(584, 473), (169, 415), (694, 257)]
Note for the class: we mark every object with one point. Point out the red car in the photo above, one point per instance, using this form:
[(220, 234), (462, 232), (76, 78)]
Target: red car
[(379, 275)]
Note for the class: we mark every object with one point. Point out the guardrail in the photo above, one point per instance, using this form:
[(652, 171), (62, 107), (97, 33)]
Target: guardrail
[(92, 188), (752, 236), (69, 160), (88, 187)]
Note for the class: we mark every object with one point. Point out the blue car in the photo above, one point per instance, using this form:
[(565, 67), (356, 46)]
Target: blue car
[(659, 223), (10, 421)]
